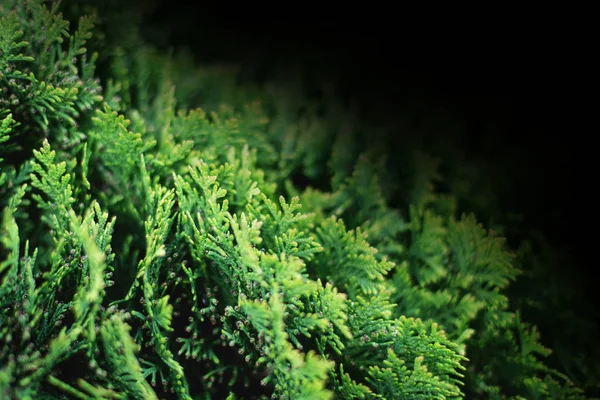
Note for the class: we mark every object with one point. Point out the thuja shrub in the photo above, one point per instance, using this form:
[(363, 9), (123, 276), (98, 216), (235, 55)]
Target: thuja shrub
[(154, 249)]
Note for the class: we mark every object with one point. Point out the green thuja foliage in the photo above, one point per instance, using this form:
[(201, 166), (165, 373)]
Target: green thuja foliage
[(152, 248)]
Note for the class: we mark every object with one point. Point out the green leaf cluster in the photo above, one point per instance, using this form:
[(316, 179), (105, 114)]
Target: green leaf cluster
[(155, 245)]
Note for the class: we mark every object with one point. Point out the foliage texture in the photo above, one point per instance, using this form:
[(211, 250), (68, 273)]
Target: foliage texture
[(154, 243)]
